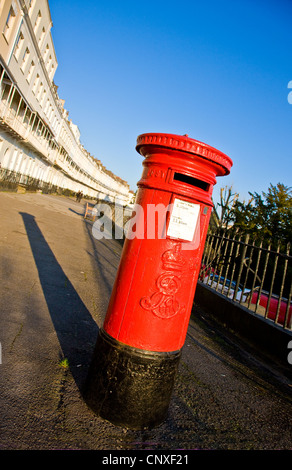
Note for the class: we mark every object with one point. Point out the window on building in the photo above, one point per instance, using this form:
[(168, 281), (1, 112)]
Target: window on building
[(47, 106), (46, 52), (48, 65), (30, 72), (37, 21), (40, 91), (18, 46), (30, 4), (25, 59), (35, 85), (51, 112), (43, 97), (9, 23), (42, 37), (52, 72)]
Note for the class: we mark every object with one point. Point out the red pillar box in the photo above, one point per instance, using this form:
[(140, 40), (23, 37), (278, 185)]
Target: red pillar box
[(137, 353)]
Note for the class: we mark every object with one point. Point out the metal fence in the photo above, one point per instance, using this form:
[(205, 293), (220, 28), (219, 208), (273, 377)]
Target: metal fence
[(255, 275)]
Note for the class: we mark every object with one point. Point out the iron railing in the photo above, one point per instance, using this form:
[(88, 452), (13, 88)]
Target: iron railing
[(11, 180), (252, 273)]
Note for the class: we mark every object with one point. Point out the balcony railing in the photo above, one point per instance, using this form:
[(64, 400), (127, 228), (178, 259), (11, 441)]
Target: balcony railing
[(10, 179), (15, 125)]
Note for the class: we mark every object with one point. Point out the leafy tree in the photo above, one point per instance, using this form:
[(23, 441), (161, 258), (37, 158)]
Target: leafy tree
[(268, 215), (279, 212), (267, 219), (225, 208)]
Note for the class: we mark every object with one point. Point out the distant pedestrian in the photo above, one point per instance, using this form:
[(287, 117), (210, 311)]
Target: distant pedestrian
[(78, 196)]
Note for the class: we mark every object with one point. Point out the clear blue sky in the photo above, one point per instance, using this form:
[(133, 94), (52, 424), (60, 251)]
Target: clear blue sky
[(215, 70)]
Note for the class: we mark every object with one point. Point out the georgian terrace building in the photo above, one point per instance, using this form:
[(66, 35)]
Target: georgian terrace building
[(39, 145)]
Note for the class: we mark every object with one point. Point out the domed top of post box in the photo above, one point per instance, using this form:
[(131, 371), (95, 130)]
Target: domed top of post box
[(184, 144)]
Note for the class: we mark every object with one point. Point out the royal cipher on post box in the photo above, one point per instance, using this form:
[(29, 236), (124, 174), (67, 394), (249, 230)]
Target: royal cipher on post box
[(137, 353)]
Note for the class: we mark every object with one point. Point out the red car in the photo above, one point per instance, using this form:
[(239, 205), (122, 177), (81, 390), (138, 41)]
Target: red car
[(274, 301)]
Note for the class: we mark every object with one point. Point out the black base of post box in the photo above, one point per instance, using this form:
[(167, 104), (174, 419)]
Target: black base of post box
[(130, 387)]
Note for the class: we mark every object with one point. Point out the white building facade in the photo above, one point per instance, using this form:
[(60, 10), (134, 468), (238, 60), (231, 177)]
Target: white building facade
[(39, 145)]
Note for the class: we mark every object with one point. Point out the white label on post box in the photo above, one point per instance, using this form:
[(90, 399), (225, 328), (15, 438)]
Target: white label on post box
[(183, 220)]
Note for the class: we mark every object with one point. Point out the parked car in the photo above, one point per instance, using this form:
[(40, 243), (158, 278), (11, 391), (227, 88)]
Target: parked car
[(274, 301), (216, 282), (226, 287)]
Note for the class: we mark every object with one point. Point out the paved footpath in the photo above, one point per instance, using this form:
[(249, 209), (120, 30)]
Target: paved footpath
[(56, 281)]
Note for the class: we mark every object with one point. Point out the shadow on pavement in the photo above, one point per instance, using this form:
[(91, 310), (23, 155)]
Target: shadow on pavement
[(76, 330), (75, 212), (105, 255)]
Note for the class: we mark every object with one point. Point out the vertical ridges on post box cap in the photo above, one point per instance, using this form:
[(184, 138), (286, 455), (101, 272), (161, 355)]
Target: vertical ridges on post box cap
[(185, 144)]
